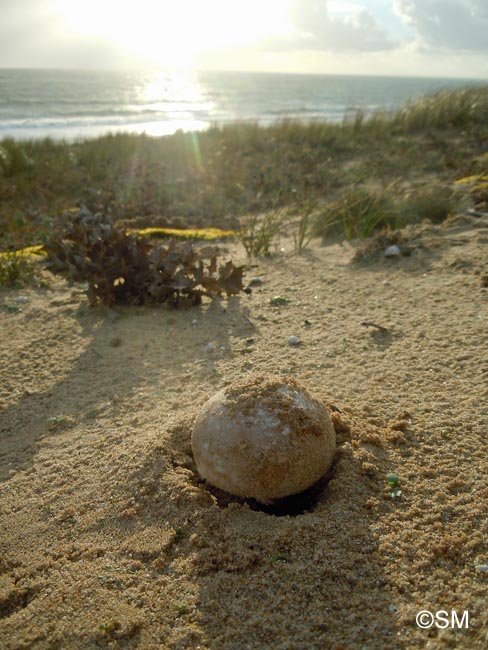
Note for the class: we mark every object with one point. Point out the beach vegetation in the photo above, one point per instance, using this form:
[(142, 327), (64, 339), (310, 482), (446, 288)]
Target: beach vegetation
[(356, 213), (433, 202), (178, 534), (359, 212), (258, 231), (109, 628), (278, 301), (13, 158), (16, 270), (445, 109), (354, 172), (393, 482), (124, 268), (181, 609), (302, 224), (392, 479)]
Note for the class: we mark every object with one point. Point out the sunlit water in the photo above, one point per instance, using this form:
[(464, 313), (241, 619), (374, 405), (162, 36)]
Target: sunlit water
[(80, 104)]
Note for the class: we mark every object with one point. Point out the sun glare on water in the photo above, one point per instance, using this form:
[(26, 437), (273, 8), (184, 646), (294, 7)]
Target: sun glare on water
[(174, 32)]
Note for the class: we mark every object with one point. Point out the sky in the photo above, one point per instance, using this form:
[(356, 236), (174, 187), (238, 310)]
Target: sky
[(439, 38)]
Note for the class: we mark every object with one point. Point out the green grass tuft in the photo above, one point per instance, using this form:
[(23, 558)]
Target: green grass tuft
[(356, 214), (16, 270)]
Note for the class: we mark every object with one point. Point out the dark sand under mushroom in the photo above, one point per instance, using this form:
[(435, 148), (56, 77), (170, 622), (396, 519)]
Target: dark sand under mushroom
[(108, 537)]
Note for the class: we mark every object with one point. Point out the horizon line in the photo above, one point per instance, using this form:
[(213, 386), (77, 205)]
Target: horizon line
[(174, 70)]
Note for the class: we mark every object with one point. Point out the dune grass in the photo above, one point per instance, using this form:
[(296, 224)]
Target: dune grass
[(217, 178), (16, 270), (358, 211)]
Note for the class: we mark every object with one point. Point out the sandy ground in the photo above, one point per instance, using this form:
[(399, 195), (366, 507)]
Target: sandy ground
[(110, 540)]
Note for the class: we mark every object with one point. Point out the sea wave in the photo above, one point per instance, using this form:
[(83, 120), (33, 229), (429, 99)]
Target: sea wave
[(70, 104)]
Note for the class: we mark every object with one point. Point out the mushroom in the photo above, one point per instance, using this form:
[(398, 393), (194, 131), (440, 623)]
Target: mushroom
[(263, 437)]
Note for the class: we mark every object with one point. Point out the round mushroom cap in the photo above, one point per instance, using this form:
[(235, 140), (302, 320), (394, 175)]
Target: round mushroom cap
[(263, 437)]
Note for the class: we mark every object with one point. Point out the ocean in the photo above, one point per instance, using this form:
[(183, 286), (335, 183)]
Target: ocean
[(72, 104)]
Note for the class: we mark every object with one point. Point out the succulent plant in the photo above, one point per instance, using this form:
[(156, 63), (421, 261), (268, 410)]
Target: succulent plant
[(124, 268)]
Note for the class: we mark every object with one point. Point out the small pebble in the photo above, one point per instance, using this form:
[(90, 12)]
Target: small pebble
[(21, 299), (392, 251), (194, 322), (210, 347), (255, 282), (293, 340)]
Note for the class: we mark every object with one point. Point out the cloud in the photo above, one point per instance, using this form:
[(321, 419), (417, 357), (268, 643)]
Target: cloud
[(447, 24), (25, 30), (33, 35), (317, 29)]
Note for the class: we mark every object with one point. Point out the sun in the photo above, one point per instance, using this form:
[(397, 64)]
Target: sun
[(174, 32)]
